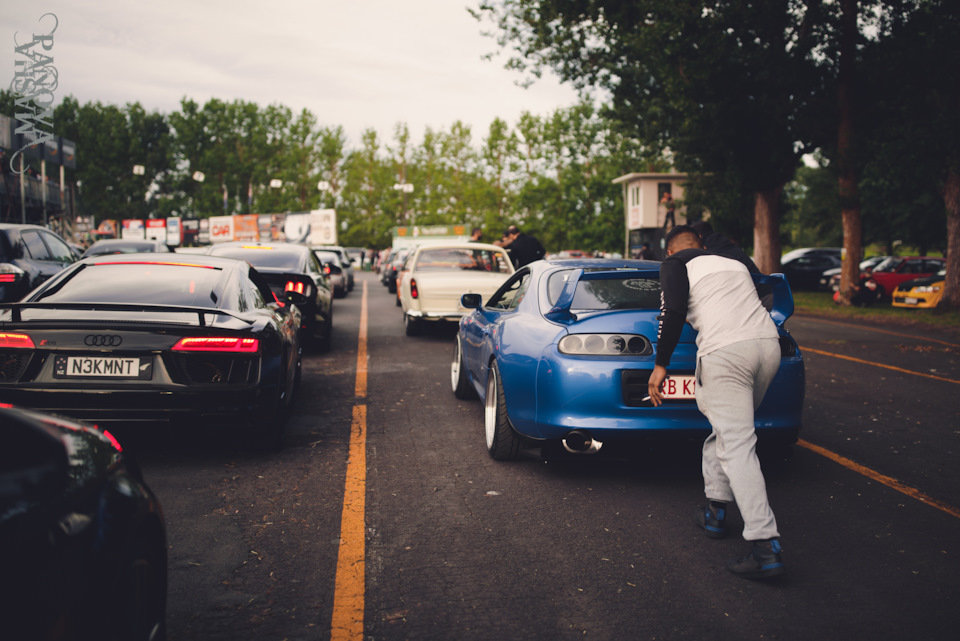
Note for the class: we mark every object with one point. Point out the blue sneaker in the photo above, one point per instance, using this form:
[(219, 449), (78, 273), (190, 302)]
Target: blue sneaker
[(763, 561), (712, 520)]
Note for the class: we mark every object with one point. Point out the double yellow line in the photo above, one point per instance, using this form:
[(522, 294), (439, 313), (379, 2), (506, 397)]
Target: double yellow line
[(348, 595)]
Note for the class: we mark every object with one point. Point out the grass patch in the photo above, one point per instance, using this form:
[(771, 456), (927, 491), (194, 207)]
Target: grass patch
[(821, 304)]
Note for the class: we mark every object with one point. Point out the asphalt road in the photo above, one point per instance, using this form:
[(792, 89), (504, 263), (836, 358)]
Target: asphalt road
[(438, 541)]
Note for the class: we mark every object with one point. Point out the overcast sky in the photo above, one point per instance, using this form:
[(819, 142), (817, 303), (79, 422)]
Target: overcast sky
[(356, 63)]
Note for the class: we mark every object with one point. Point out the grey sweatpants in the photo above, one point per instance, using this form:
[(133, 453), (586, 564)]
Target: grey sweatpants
[(731, 382)]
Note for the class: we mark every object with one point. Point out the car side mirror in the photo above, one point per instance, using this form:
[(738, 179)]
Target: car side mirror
[(333, 270), (471, 301)]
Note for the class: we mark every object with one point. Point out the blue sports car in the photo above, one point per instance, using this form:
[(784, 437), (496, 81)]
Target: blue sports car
[(560, 355)]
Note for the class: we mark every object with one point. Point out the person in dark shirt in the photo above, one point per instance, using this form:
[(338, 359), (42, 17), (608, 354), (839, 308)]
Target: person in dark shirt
[(717, 243), (738, 354), (524, 249)]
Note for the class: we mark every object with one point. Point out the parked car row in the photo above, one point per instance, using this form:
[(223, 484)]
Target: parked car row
[(128, 335), (882, 278)]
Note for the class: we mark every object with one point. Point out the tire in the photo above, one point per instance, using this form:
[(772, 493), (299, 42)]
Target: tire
[(459, 381), (503, 443), (140, 594), (411, 325)]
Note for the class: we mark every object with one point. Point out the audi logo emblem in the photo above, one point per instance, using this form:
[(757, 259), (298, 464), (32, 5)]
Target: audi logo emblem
[(102, 340)]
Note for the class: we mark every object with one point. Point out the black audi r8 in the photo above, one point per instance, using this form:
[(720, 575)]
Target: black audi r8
[(83, 537), (291, 267), (155, 337)]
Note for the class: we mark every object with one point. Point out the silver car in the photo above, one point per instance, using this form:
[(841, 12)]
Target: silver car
[(344, 261), (337, 276)]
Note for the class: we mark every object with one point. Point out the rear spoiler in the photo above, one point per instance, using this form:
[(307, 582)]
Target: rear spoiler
[(201, 312), (774, 292)]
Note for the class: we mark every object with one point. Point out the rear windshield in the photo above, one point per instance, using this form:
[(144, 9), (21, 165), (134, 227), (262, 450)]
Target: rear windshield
[(447, 259), (617, 293), (158, 284), (263, 258)]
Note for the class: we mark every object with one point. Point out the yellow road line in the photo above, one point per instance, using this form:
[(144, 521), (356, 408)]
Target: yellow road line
[(350, 587), (360, 391), (880, 478), (890, 367), (878, 331)]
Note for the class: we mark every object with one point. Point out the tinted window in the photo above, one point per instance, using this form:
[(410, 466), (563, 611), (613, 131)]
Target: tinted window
[(59, 250), (510, 295), (141, 283), (617, 293), (34, 244), (448, 259)]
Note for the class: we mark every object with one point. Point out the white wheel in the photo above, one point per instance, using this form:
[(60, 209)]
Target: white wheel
[(503, 443)]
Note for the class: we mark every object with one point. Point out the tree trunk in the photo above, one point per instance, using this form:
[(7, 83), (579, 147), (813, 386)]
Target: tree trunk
[(951, 199), (766, 230), (849, 192)]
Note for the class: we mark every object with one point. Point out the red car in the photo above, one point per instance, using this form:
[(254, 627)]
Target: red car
[(898, 269)]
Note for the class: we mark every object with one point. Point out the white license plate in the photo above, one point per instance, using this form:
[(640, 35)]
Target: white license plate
[(679, 387), (910, 301), (102, 367)]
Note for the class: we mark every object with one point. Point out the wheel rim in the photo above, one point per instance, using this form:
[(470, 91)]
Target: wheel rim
[(490, 409), (455, 367)]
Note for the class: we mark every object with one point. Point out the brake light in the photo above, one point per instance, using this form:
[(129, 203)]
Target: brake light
[(10, 273), (293, 286), (414, 292), (217, 344), (16, 340), (113, 440), (326, 269)]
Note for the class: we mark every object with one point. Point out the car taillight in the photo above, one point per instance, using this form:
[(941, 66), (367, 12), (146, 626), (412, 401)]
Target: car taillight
[(217, 344), (414, 292), (326, 269), (16, 340), (10, 273), (293, 286)]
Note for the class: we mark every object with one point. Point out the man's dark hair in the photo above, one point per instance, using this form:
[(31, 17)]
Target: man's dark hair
[(512, 229), (681, 230)]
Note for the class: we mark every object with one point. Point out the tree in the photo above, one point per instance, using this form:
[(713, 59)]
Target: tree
[(732, 88), (910, 105)]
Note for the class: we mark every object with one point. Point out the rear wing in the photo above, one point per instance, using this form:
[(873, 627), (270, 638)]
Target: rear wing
[(16, 308), (773, 289)]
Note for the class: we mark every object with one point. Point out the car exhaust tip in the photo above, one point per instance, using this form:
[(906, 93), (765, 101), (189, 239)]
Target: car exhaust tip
[(580, 442)]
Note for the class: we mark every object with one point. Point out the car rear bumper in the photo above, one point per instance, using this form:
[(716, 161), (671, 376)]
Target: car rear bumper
[(105, 406)]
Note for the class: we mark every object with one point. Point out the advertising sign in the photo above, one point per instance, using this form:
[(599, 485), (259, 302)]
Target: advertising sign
[(133, 229), (174, 232), (246, 227), (221, 229), (318, 227), (156, 229)]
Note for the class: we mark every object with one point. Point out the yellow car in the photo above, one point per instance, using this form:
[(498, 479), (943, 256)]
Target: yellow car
[(920, 292)]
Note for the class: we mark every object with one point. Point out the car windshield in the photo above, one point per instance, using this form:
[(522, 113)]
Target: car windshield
[(119, 248), (608, 294), (262, 257), (153, 283), (454, 259), (327, 257)]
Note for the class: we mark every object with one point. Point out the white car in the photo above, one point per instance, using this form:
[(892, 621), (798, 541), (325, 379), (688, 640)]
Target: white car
[(439, 274)]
